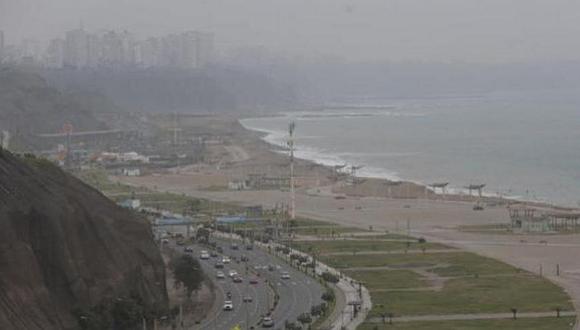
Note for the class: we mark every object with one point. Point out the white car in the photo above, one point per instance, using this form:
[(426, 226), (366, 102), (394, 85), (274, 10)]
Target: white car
[(226, 260), (285, 276), (220, 275), (233, 273), (228, 305), (204, 255)]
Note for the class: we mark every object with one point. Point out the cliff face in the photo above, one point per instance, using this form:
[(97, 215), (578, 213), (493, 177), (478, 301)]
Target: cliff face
[(64, 246)]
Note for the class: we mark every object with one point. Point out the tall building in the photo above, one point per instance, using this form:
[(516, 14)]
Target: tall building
[(76, 49), (2, 47), (204, 49), (54, 56), (196, 49), (112, 49), (149, 53)]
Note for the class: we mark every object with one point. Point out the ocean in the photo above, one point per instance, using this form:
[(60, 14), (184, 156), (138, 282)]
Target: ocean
[(521, 145)]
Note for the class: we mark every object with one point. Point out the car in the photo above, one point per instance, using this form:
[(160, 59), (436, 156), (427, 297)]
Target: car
[(228, 305), (271, 268), (249, 247), (247, 299), (238, 279), (180, 243), (213, 254), (219, 265), (219, 249), (204, 255), (285, 275), (244, 259), (226, 260), (165, 241), (233, 273), (253, 280), (234, 246), (267, 322), (220, 275), (188, 249)]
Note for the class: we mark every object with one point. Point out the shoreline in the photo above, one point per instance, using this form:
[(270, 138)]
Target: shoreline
[(434, 218), (453, 194)]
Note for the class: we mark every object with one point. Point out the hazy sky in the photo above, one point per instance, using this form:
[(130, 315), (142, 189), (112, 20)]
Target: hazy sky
[(425, 30)]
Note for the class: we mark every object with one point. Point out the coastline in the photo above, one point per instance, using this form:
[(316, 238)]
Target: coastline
[(405, 211), (408, 189)]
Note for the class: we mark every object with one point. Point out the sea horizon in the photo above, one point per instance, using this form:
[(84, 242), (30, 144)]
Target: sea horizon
[(416, 141)]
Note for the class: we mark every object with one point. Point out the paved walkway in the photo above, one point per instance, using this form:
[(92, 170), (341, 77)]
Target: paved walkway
[(352, 293), (463, 317), (347, 253)]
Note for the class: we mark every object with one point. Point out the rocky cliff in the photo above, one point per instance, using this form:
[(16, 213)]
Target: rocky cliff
[(65, 248)]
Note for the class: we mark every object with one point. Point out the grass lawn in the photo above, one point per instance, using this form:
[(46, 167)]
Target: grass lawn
[(460, 263), (378, 235), (491, 229), (304, 222), (168, 201), (477, 295), (364, 245), (327, 230), (562, 323), (388, 279)]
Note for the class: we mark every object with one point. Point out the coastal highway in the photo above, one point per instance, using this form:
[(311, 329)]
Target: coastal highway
[(296, 294)]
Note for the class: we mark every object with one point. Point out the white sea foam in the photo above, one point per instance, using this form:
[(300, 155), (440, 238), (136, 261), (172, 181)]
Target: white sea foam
[(448, 135), (278, 138)]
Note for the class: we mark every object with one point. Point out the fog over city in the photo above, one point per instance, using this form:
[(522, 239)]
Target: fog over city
[(289, 164), (356, 30)]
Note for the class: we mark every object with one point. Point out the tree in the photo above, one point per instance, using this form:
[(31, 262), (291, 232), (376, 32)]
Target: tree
[(305, 318), (195, 206), (202, 234), (329, 277), (514, 312), (187, 271)]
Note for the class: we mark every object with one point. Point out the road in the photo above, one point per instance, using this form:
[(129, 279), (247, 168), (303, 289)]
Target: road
[(296, 295), (437, 221)]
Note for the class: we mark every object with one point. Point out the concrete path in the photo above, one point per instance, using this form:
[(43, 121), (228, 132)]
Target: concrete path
[(346, 253), (344, 316), (464, 317)]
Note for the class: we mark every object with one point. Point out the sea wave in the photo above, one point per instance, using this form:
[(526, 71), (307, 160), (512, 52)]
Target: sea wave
[(278, 138), (344, 114)]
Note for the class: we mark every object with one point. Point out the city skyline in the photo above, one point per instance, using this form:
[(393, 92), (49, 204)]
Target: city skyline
[(470, 31), (80, 48)]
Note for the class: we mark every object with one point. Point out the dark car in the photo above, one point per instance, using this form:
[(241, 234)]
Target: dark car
[(234, 246), (213, 254), (245, 259), (249, 247), (219, 265), (219, 249)]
